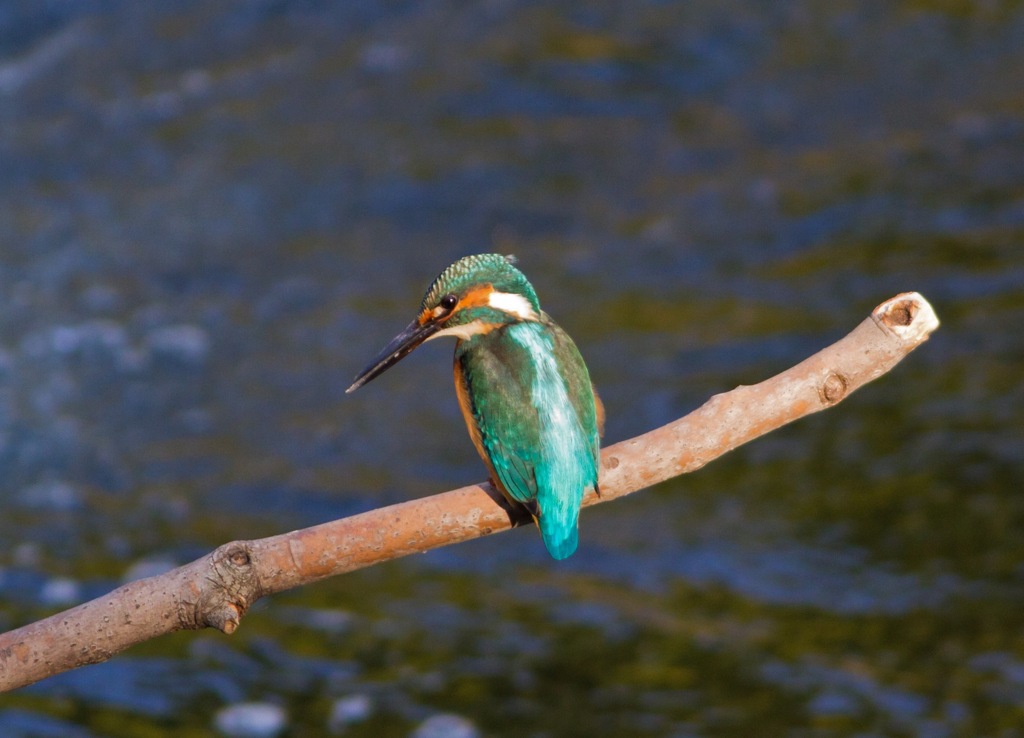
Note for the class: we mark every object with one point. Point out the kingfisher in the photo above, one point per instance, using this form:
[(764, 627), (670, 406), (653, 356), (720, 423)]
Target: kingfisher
[(523, 389)]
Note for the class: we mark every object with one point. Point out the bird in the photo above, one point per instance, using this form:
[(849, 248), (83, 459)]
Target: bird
[(522, 386)]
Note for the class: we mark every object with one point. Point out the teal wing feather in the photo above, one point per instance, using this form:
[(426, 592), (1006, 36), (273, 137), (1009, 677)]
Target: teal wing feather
[(502, 412)]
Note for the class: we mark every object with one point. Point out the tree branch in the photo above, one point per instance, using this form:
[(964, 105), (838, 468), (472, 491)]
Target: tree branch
[(217, 589)]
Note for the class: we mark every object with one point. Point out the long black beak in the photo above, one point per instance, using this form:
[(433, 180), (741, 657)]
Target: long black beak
[(401, 346)]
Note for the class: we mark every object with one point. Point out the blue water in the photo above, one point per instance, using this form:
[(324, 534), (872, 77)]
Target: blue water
[(212, 215)]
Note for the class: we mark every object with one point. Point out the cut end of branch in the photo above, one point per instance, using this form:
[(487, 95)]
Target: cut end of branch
[(226, 620), (907, 316)]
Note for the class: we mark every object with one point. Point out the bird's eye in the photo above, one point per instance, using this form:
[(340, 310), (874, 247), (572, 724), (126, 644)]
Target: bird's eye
[(448, 302)]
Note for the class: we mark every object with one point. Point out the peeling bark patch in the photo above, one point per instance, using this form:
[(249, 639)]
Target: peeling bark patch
[(19, 651)]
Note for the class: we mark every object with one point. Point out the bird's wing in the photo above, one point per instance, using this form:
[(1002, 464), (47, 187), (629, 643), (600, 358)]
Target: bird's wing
[(500, 414)]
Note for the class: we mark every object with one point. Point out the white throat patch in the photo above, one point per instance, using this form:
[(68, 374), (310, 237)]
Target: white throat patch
[(463, 332)]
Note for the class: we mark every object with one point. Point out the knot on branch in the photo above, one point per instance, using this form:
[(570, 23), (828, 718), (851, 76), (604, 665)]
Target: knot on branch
[(833, 389), (231, 586)]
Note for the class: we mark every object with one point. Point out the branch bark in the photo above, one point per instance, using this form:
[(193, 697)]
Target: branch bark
[(217, 589)]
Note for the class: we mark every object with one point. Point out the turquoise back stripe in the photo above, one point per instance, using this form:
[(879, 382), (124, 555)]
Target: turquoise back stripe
[(567, 466)]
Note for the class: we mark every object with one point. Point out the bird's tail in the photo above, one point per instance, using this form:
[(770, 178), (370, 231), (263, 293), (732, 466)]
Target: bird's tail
[(560, 536)]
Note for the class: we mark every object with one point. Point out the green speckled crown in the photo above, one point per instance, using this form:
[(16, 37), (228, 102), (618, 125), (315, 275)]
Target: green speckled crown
[(470, 271)]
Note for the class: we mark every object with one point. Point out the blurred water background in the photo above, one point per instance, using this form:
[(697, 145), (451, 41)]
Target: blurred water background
[(212, 214)]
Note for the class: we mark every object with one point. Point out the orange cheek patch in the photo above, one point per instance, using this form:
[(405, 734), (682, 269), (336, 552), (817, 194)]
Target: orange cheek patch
[(477, 297)]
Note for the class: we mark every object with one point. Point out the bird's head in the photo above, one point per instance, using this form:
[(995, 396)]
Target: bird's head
[(473, 296)]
